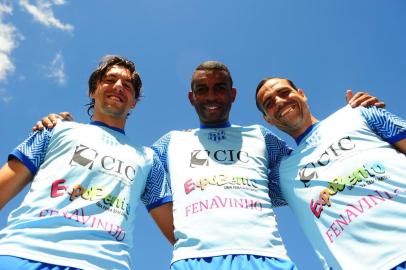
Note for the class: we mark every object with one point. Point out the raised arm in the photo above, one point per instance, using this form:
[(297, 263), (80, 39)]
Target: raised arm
[(14, 176), (49, 121)]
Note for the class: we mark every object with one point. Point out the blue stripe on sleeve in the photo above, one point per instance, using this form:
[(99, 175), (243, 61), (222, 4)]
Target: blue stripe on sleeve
[(24, 160), (388, 126)]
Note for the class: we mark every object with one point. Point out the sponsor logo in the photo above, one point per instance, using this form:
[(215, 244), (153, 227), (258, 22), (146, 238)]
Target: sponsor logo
[(88, 157), (105, 200), (335, 150), (79, 216), (221, 180), (363, 176), (357, 209), (218, 202), (200, 158)]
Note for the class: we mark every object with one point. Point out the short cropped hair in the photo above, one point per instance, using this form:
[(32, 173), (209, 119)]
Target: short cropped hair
[(261, 83), (212, 66)]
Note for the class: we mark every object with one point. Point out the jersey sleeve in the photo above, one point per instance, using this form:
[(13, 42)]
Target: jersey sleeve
[(160, 147), (32, 151), (388, 126), (276, 149), (157, 189)]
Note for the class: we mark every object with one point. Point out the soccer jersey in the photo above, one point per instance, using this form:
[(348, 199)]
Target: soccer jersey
[(222, 201), (80, 209), (346, 184)]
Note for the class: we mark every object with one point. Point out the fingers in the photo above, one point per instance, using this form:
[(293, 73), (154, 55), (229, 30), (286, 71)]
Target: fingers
[(66, 116), (48, 121), (364, 99), (348, 95)]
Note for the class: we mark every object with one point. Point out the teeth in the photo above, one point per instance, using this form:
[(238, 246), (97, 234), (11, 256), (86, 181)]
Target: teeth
[(287, 110)]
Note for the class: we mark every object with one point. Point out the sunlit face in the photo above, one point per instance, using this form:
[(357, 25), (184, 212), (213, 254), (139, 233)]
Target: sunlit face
[(212, 96), (115, 94), (284, 106)]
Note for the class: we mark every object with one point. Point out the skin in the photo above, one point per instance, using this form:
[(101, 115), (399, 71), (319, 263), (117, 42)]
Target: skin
[(212, 96), (114, 98), (287, 108)]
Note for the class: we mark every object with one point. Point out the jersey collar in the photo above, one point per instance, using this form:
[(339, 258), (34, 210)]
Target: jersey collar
[(99, 123), (224, 125)]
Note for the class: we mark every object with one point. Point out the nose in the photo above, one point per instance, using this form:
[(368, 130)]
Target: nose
[(118, 85), (211, 94), (278, 102)]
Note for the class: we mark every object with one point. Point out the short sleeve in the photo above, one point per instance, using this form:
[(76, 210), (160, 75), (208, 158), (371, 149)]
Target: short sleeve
[(157, 189), (388, 126), (32, 151), (276, 149)]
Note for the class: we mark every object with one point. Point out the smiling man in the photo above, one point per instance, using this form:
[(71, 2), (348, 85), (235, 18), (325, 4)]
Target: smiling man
[(86, 181), (221, 181), (345, 182)]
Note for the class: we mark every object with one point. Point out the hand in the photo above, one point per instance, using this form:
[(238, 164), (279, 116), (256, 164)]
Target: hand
[(49, 121), (363, 99)]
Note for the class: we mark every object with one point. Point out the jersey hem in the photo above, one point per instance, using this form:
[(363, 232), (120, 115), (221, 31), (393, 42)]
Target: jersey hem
[(200, 254)]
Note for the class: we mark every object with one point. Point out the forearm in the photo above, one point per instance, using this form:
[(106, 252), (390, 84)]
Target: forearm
[(14, 176), (163, 217)]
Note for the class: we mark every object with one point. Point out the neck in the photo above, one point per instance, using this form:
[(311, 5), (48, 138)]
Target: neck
[(295, 133), (215, 125), (110, 121)]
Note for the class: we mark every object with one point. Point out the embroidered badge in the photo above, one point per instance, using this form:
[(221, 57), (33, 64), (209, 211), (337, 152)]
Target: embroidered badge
[(217, 136)]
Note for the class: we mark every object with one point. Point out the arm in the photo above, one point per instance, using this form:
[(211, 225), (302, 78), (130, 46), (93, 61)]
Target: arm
[(163, 217), (49, 121), (14, 176), (401, 146), (362, 99)]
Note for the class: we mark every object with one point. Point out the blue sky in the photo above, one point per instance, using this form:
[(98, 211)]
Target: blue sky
[(48, 48)]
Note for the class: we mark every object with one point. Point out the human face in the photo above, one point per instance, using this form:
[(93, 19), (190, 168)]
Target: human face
[(212, 96), (284, 106), (114, 95)]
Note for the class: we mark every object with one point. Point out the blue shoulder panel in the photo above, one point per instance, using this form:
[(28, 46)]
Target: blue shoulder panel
[(388, 126), (32, 151), (276, 150), (157, 189)]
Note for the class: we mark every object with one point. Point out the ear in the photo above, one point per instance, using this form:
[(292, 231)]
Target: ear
[(302, 93), (233, 94), (133, 104), (191, 98)]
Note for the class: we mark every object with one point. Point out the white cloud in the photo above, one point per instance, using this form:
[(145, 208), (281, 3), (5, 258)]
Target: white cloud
[(8, 42), (42, 12), (56, 70), (5, 96)]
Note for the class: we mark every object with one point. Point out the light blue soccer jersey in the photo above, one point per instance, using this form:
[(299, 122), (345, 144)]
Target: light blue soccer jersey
[(346, 184), (80, 209), (222, 202)]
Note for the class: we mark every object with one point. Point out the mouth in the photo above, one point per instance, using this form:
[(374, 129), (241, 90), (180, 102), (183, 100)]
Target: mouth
[(115, 98), (212, 107), (284, 111)]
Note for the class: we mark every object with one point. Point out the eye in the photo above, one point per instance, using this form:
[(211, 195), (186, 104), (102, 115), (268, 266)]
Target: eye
[(285, 93), (268, 104), (199, 90), (220, 88)]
